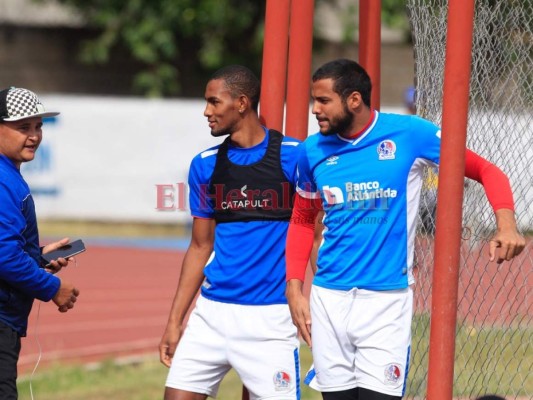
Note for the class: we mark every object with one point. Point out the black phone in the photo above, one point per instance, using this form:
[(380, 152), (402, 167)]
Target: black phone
[(66, 251)]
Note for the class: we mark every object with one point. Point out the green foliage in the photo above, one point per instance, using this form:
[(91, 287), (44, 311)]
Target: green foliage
[(174, 41), (173, 38), (394, 15)]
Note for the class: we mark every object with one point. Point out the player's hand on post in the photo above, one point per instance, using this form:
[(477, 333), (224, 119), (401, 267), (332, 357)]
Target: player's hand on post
[(299, 307), (56, 265), (66, 296), (168, 344), (507, 243)]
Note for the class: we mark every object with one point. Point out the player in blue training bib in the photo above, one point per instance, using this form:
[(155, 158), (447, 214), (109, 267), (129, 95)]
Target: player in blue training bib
[(248, 264), (364, 169), (241, 196)]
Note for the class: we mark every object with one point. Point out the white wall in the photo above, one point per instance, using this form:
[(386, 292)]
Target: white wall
[(102, 157)]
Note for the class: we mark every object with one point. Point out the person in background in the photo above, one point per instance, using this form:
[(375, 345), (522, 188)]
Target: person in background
[(23, 277), (241, 195), (365, 169), (409, 100)]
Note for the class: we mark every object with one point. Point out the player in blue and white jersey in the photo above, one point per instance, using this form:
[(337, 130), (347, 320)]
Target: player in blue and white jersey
[(241, 195), (365, 170)]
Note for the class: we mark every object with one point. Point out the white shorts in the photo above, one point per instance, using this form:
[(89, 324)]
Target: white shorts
[(259, 342), (361, 338)]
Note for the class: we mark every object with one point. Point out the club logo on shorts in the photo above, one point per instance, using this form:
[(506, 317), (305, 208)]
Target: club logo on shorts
[(386, 150), (282, 380), (393, 374)]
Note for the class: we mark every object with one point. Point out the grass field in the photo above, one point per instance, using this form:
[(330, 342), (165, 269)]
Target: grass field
[(143, 379), (84, 229), (477, 370)]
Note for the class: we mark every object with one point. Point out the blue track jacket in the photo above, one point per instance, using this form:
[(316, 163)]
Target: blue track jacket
[(21, 278)]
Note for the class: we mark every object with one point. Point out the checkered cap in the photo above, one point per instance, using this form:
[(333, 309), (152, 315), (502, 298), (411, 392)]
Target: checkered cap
[(19, 103)]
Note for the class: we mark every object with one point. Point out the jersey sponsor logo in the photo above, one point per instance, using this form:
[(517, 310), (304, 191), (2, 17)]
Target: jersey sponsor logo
[(355, 192), (282, 380), (333, 195), (387, 150), (393, 373), (359, 191)]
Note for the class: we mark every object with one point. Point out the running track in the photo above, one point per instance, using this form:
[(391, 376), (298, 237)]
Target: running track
[(126, 294), (127, 287)]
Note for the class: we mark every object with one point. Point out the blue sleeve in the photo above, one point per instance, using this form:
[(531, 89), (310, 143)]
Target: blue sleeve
[(17, 267), (199, 176), (428, 138), (306, 186), (290, 150)]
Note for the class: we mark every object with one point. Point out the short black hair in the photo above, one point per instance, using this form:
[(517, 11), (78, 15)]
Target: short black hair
[(348, 77), (240, 80)]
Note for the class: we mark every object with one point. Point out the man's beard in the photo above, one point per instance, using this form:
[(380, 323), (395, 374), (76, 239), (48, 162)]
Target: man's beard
[(222, 132), (340, 125)]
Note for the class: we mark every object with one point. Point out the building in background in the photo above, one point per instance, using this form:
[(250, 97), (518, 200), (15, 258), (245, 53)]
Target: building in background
[(40, 42), (39, 49)]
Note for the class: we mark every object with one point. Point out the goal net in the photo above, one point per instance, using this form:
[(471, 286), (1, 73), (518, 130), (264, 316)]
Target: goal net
[(494, 337)]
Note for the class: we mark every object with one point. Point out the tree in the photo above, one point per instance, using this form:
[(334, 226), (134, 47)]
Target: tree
[(179, 43), (174, 39)]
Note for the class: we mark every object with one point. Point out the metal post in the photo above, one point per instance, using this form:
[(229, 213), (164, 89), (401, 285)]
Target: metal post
[(370, 45), (450, 199), (299, 72), (275, 54)]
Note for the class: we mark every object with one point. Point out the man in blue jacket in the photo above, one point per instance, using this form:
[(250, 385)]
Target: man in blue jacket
[(22, 276)]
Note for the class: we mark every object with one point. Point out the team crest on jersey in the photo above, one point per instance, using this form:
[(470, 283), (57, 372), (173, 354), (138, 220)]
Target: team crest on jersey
[(387, 150), (393, 374), (282, 380), (332, 160)]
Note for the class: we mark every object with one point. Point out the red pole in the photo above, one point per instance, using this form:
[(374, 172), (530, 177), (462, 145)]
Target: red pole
[(299, 72), (363, 32), (274, 73), (370, 45), (450, 199)]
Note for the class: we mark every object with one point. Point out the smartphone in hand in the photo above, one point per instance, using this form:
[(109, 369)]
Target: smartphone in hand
[(66, 251)]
